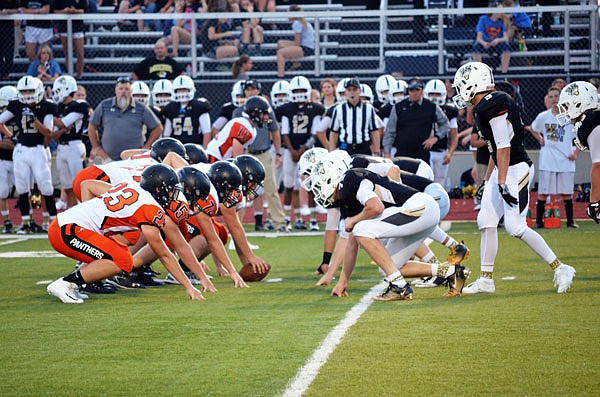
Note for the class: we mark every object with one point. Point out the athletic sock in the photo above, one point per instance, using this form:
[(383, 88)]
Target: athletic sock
[(75, 277), (539, 212), (569, 210), (396, 279)]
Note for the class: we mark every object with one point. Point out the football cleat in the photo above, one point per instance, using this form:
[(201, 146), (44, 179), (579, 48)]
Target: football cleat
[(7, 227), (457, 280), (193, 279), (24, 229), (124, 281), (428, 282), (144, 275), (299, 225), (268, 225), (395, 293), (563, 277), (35, 228), (313, 226), (100, 287), (458, 253), (481, 285), (65, 291)]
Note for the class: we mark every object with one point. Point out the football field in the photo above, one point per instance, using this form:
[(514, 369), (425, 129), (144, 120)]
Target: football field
[(287, 336)]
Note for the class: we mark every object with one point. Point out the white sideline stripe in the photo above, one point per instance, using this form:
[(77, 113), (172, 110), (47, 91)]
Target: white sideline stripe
[(310, 370), (7, 242), (31, 254)]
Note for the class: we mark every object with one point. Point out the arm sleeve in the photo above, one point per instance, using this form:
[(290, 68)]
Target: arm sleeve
[(49, 121), (324, 124), (389, 134), (218, 124), (168, 129), (6, 116), (204, 123), (442, 122), (454, 123), (285, 125), (316, 125), (333, 219), (71, 118), (502, 134)]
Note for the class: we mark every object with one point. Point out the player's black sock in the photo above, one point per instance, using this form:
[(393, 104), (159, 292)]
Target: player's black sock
[(75, 277), (258, 219), (539, 215), (183, 266), (24, 204), (569, 210), (50, 205)]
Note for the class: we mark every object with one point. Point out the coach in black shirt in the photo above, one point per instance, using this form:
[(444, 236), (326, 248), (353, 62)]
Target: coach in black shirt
[(354, 126), (415, 125), (159, 66)]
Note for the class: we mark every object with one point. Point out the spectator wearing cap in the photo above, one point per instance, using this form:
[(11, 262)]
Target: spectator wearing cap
[(354, 124), (158, 66), (122, 120), (266, 136), (415, 125)]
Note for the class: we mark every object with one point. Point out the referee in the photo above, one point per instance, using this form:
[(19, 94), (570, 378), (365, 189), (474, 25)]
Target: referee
[(354, 124)]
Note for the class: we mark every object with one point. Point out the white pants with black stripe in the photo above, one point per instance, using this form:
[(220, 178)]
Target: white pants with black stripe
[(404, 228), (493, 206)]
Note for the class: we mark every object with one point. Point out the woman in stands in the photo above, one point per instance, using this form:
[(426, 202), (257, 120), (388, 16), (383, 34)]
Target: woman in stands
[(45, 67), (241, 67), (217, 34), (302, 45)]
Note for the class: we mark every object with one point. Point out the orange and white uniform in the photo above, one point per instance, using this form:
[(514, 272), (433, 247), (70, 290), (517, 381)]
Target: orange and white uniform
[(221, 146), (88, 231)]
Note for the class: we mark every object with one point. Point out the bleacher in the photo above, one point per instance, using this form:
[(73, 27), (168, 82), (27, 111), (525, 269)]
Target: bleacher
[(347, 45)]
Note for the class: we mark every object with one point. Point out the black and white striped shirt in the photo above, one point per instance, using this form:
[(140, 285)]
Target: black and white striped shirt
[(354, 123)]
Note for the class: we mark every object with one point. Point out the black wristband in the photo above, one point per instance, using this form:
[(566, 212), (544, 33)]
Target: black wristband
[(326, 257), (278, 154)]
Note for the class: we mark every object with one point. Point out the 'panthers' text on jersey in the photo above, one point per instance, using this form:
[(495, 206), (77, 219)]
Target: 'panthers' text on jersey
[(77, 129), (589, 123), (392, 194), (25, 116), (185, 122), (493, 105), (300, 118), (239, 129), (122, 209), (451, 112)]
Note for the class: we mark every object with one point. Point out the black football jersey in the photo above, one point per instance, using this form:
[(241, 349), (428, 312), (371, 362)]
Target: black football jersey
[(348, 188), (377, 104), (301, 117), (493, 105), (407, 164), (25, 116), (385, 110), (363, 160), (590, 121), (415, 181), (80, 126), (185, 122), (450, 112), (226, 111)]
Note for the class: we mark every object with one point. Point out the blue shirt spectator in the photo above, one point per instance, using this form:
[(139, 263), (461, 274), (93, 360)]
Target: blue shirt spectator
[(44, 68)]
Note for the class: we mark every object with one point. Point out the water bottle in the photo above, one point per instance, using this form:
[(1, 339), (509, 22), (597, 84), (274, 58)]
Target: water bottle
[(522, 46), (547, 211), (556, 212), (556, 19)]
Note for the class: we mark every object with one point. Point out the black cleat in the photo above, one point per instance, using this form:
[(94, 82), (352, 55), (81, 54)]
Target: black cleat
[(395, 293), (7, 227), (35, 228), (144, 277), (124, 281), (24, 229), (99, 287)]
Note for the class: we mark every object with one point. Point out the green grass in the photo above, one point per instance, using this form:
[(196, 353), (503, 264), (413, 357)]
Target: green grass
[(524, 340)]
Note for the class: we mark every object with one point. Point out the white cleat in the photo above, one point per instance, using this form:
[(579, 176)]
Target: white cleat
[(65, 291), (563, 277), (481, 285)]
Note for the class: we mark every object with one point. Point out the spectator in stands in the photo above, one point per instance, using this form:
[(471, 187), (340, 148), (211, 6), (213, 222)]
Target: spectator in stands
[(44, 68), (492, 39), (328, 98), (241, 67), (302, 45), (520, 24), (159, 66), (129, 7), (252, 31), (262, 5), (559, 83), (217, 35), (415, 125), (156, 7), (36, 32), (7, 32), (181, 29), (122, 120), (70, 7)]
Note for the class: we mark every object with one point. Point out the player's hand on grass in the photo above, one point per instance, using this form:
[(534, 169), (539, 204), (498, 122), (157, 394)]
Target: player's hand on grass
[(194, 294), (238, 282)]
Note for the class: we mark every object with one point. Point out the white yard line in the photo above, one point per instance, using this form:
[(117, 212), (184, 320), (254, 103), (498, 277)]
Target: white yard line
[(307, 374), (7, 242)]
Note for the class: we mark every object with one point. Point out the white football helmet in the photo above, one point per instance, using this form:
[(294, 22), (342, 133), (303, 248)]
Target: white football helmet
[(140, 92), (302, 86), (326, 176), (382, 87), (340, 89), (8, 93), (184, 83), (162, 92), (280, 93), (397, 91), (366, 93), (575, 99), (63, 87), (306, 163), (436, 87), (469, 80), (28, 83), (237, 93)]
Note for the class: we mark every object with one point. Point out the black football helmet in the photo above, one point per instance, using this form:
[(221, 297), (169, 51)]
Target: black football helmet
[(227, 180), (162, 183), (253, 175), (195, 185), (257, 108), (195, 153), (162, 146)]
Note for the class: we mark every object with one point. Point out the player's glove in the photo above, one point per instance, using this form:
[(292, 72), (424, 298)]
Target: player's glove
[(593, 211), (479, 191), (509, 198)]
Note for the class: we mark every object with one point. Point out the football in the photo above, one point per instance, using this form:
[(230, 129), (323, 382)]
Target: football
[(248, 274)]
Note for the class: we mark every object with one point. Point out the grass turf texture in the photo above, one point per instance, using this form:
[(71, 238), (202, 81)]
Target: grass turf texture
[(524, 340)]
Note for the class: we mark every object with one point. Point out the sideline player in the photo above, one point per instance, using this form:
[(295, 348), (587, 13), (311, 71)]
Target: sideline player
[(506, 190), (7, 179)]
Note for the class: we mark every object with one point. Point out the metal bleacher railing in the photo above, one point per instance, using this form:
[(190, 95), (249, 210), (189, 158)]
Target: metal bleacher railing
[(351, 40)]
